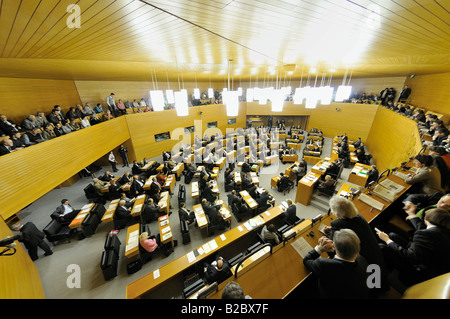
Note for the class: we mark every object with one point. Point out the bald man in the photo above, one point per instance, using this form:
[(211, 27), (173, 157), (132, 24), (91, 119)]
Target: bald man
[(217, 271)]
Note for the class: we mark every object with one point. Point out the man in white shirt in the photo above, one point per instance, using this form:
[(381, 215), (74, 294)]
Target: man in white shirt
[(65, 213), (112, 160)]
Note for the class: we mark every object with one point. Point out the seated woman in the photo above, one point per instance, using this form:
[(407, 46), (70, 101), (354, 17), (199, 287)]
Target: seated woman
[(427, 178), (149, 243)]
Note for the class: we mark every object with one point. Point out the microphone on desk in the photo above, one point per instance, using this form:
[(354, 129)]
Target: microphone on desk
[(316, 219)]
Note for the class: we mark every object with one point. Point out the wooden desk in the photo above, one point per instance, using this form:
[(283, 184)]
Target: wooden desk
[(286, 260), (147, 166), (320, 167), (274, 180), (110, 211), (169, 183), (305, 188), (358, 175), (237, 178), (255, 179), (290, 158), (249, 200), (178, 169), (223, 211), (200, 216), (132, 242), (81, 216), (150, 283), (164, 202), (195, 193), (312, 159), (138, 205)]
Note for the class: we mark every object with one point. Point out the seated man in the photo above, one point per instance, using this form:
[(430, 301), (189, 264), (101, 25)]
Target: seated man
[(137, 186), (185, 214), (150, 211), (262, 201), (232, 198), (345, 275), (418, 204), (217, 271), (373, 175), (99, 186), (123, 214), (269, 234), (65, 213), (426, 255), (283, 182), (33, 137), (107, 177)]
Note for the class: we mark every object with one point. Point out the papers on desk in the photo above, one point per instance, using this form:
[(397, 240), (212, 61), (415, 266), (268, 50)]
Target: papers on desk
[(302, 247), (310, 177), (156, 274), (137, 208), (400, 174), (167, 235), (81, 215), (140, 197), (370, 201), (86, 207), (133, 240), (191, 257), (210, 246), (254, 222)]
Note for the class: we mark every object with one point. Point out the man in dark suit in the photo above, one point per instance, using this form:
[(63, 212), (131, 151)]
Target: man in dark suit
[(372, 175), (404, 94), (217, 271), (418, 204), (65, 213), (123, 214), (126, 178), (262, 201), (8, 127), (426, 255), (185, 214), (6, 146), (32, 238), (107, 177), (345, 275), (290, 215), (137, 186), (232, 198)]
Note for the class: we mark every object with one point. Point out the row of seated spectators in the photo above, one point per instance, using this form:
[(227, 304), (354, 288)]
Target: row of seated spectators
[(39, 128)]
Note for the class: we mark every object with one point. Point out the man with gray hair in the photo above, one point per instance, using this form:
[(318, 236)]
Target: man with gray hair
[(345, 275), (32, 238)]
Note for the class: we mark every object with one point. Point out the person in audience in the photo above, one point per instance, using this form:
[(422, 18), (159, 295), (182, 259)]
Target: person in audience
[(60, 112), (18, 142), (126, 178), (128, 202), (436, 153), (269, 235), (6, 146), (95, 119), (121, 108), (71, 113), (85, 122), (41, 119), (98, 108), (123, 151), (59, 130), (65, 212), (440, 136), (8, 127), (137, 186), (372, 175), (32, 238), (149, 243), (185, 214), (142, 103), (66, 127), (427, 176), (217, 271), (75, 125), (426, 255), (54, 117), (33, 137), (107, 177), (349, 218), (128, 105), (232, 198), (345, 275), (30, 123), (233, 290), (88, 109), (108, 116), (48, 133), (79, 111)]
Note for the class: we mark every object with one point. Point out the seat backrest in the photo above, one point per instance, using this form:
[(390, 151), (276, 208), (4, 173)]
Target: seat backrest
[(52, 228)]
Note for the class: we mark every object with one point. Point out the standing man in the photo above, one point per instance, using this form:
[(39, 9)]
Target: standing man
[(290, 215), (112, 161), (404, 94), (123, 153), (112, 104), (32, 238)]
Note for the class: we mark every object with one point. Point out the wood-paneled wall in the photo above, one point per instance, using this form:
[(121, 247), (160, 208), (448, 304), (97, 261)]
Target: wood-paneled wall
[(21, 97), (393, 139), (431, 92), (32, 172), (144, 126), (334, 119), (19, 276)]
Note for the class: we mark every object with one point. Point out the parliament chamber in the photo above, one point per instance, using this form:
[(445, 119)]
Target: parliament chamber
[(39, 74)]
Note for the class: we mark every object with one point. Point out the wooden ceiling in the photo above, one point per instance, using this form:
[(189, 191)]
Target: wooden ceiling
[(204, 39)]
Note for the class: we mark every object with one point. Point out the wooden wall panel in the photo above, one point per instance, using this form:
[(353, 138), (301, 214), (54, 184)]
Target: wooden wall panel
[(353, 119), (21, 97), (97, 91), (431, 92), (144, 126), (19, 276), (393, 139), (32, 172)]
